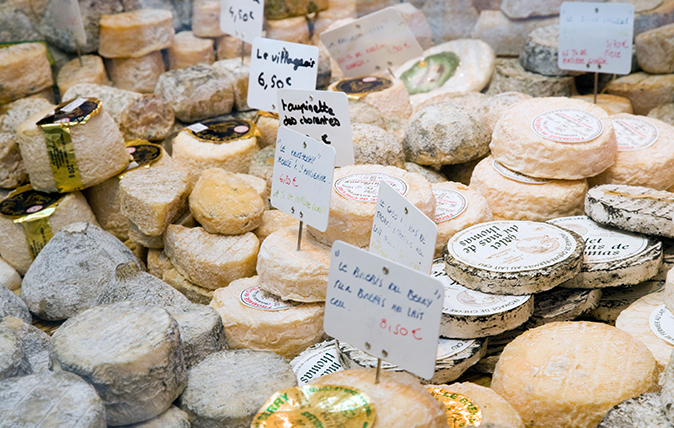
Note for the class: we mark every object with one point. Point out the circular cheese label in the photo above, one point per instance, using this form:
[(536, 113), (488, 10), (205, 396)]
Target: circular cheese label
[(358, 87), (461, 411), (223, 131), (72, 112), (25, 201), (631, 292), (256, 298), (568, 125), (316, 406), (508, 173), (317, 362), (450, 347), (601, 244), (511, 246), (662, 324), (450, 204), (364, 187), (143, 153), (461, 301), (634, 134)]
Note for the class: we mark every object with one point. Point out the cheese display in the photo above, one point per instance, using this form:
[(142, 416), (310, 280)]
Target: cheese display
[(388, 95), (373, 145), (187, 49), (272, 221), (137, 74), (294, 30), (539, 257), (91, 70), (664, 113), (646, 410), (135, 34), (280, 9), (206, 18), (209, 260), (472, 99), (400, 401), (16, 112), (171, 418), (414, 18), (158, 263), (632, 208), (614, 300), (493, 108), (268, 124), (544, 373), (509, 76), (354, 193), (76, 132), (316, 361), (24, 70), (256, 319), (613, 104)]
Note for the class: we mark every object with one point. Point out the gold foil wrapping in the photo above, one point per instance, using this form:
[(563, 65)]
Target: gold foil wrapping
[(327, 406), (461, 410), (143, 154), (358, 87), (226, 131)]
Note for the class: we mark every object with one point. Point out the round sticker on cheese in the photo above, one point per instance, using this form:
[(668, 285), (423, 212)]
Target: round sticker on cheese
[(511, 246), (567, 125), (256, 298), (461, 301), (634, 134), (662, 324), (315, 362), (364, 187), (450, 204), (601, 244), (507, 173), (451, 347)]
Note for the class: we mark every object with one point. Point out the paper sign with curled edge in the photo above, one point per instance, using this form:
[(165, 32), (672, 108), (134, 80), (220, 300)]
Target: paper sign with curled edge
[(69, 18), (372, 44), (596, 37), (384, 308), (242, 18), (302, 181)]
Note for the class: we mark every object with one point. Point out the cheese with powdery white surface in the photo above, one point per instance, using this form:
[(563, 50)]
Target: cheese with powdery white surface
[(138, 74), (388, 95), (135, 34)]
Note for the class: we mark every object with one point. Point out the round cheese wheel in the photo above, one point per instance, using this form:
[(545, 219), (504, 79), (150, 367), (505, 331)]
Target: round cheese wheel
[(90, 70), (514, 196), (138, 74), (354, 193), (388, 95), (562, 304), (614, 300), (569, 374), (187, 49), (555, 138), (494, 107), (646, 410), (24, 70), (136, 33)]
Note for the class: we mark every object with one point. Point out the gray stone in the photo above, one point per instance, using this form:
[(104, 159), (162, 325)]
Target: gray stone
[(539, 54), (201, 332), (47, 399), (510, 76), (172, 418), (71, 270), (13, 359), (12, 305), (450, 19), (36, 343), (646, 410)]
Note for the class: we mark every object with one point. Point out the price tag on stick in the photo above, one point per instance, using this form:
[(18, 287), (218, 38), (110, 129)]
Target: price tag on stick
[(242, 18), (275, 65), (322, 115), (384, 308)]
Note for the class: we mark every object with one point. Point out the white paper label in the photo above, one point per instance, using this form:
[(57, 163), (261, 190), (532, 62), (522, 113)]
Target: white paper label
[(197, 127), (511, 246), (401, 232), (450, 347), (567, 125), (302, 180), (632, 292), (633, 134), (372, 43), (383, 308), (450, 204), (662, 324), (364, 187), (596, 37), (275, 65), (256, 298), (601, 244), (73, 105), (322, 115), (242, 18), (461, 301), (315, 363), (512, 175), (67, 16)]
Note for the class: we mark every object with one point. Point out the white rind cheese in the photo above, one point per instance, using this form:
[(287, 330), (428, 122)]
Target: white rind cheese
[(613, 104), (294, 29), (138, 74), (273, 220), (13, 358), (494, 107), (201, 332), (646, 410), (91, 70), (393, 102), (135, 34), (192, 291), (24, 70), (9, 277)]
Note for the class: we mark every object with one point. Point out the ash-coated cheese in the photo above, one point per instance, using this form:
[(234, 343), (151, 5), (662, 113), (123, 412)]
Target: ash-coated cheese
[(400, 400), (445, 133), (613, 104), (224, 203), (259, 320), (36, 343), (206, 18), (469, 314), (639, 320), (24, 70), (316, 361), (226, 389), (188, 49), (171, 418), (135, 34), (197, 92), (646, 410), (509, 76), (273, 220), (130, 352), (389, 95), (539, 54), (290, 274), (9, 277), (294, 30), (458, 206), (645, 154), (515, 196), (138, 74), (645, 91), (614, 300), (98, 150), (262, 165), (12, 171), (569, 374), (493, 108), (47, 399), (562, 304), (13, 359), (513, 257), (555, 138), (240, 72), (12, 305), (192, 291), (354, 193), (632, 208), (91, 70), (360, 112), (209, 260), (373, 145), (201, 332), (432, 175)]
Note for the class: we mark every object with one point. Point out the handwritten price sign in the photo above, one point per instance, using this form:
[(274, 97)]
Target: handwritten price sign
[(596, 37), (302, 180), (242, 18), (372, 43), (384, 308)]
